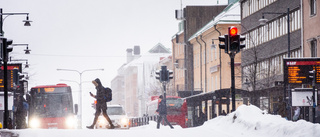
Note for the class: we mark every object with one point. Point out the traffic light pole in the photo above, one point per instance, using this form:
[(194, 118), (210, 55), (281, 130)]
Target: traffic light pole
[(164, 77), (165, 94), (5, 82), (314, 96), (233, 90), (231, 43)]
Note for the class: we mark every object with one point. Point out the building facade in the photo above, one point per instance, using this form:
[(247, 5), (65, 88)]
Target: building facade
[(311, 33), (266, 46), (193, 18)]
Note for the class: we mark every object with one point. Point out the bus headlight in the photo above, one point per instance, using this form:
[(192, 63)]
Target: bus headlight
[(70, 122), (34, 123)]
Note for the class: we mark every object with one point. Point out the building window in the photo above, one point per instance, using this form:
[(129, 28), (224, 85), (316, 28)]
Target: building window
[(313, 48), (313, 5)]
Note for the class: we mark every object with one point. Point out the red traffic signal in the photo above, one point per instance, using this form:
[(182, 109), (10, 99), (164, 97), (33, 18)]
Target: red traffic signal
[(233, 31)]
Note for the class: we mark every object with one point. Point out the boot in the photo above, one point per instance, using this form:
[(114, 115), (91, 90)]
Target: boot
[(90, 127), (109, 120), (94, 122), (111, 126)]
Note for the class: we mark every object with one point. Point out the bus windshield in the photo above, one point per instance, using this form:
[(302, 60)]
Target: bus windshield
[(174, 102), (51, 104)]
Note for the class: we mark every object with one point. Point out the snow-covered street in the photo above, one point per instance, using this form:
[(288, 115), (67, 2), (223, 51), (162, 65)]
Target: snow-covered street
[(246, 121)]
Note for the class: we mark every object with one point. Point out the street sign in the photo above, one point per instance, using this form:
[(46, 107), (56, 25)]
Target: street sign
[(302, 97), (296, 70)]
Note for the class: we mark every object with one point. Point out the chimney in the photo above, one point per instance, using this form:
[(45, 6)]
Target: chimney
[(129, 55), (136, 50)]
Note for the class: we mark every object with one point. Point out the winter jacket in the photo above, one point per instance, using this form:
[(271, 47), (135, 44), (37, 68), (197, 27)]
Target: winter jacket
[(100, 92), (162, 110)]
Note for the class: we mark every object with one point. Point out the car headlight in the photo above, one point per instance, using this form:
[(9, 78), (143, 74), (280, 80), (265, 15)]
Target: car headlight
[(34, 123), (124, 121), (70, 122), (102, 120)]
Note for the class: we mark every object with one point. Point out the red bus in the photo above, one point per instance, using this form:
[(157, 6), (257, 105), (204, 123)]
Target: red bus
[(176, 109), (51, 107)]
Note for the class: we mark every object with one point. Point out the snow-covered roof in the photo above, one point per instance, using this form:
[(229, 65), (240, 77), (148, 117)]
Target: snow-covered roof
[(230, 15), (153, 55), (159, 48)]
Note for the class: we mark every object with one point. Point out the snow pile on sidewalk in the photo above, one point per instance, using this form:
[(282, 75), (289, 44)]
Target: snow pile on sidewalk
[(251, 121)]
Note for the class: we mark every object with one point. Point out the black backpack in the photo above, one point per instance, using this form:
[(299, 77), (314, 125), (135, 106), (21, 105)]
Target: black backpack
[(108, 94)]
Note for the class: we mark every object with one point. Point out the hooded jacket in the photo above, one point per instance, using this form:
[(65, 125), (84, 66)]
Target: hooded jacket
[(100, 91)]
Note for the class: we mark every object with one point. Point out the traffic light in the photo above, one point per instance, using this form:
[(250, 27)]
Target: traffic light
[(158, 75), (234, 42), (16, 76), (20, 78), (6, 43), (241, 42), (312, 76), (164, 75), (170, 74), (224, 45)]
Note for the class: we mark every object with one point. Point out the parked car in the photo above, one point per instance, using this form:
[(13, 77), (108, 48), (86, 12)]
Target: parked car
[(118, 117)]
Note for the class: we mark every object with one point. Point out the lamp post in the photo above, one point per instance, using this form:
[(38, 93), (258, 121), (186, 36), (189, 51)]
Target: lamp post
[(26, 22), (80, 85), (5, 62), (263, 21), (26, 60), (27, 50)]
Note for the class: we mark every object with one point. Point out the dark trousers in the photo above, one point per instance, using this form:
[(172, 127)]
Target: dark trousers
[(163, 116), (21, 121), (101, 107)]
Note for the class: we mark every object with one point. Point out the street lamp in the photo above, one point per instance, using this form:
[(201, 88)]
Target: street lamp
[(263, 21), (80, 85), (26, 22), (27, 50), (5, 61), (26, 60)]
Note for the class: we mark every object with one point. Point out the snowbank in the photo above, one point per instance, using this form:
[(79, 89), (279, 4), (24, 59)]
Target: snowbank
[(251, 121)]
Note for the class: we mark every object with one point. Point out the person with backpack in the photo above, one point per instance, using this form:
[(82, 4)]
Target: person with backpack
[(101, 105), (162, 110)]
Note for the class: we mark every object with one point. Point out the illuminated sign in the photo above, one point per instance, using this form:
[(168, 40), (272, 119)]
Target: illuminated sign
[(297, 70), (9, 76), (48, 89)]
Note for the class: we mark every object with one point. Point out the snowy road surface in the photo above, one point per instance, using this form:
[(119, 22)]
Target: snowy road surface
[(246, 121)]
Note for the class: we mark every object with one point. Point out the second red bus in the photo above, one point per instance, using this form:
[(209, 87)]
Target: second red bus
[(176, 109)]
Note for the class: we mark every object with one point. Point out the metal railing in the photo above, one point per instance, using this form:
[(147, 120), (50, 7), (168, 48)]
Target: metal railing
[(140, 121)]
